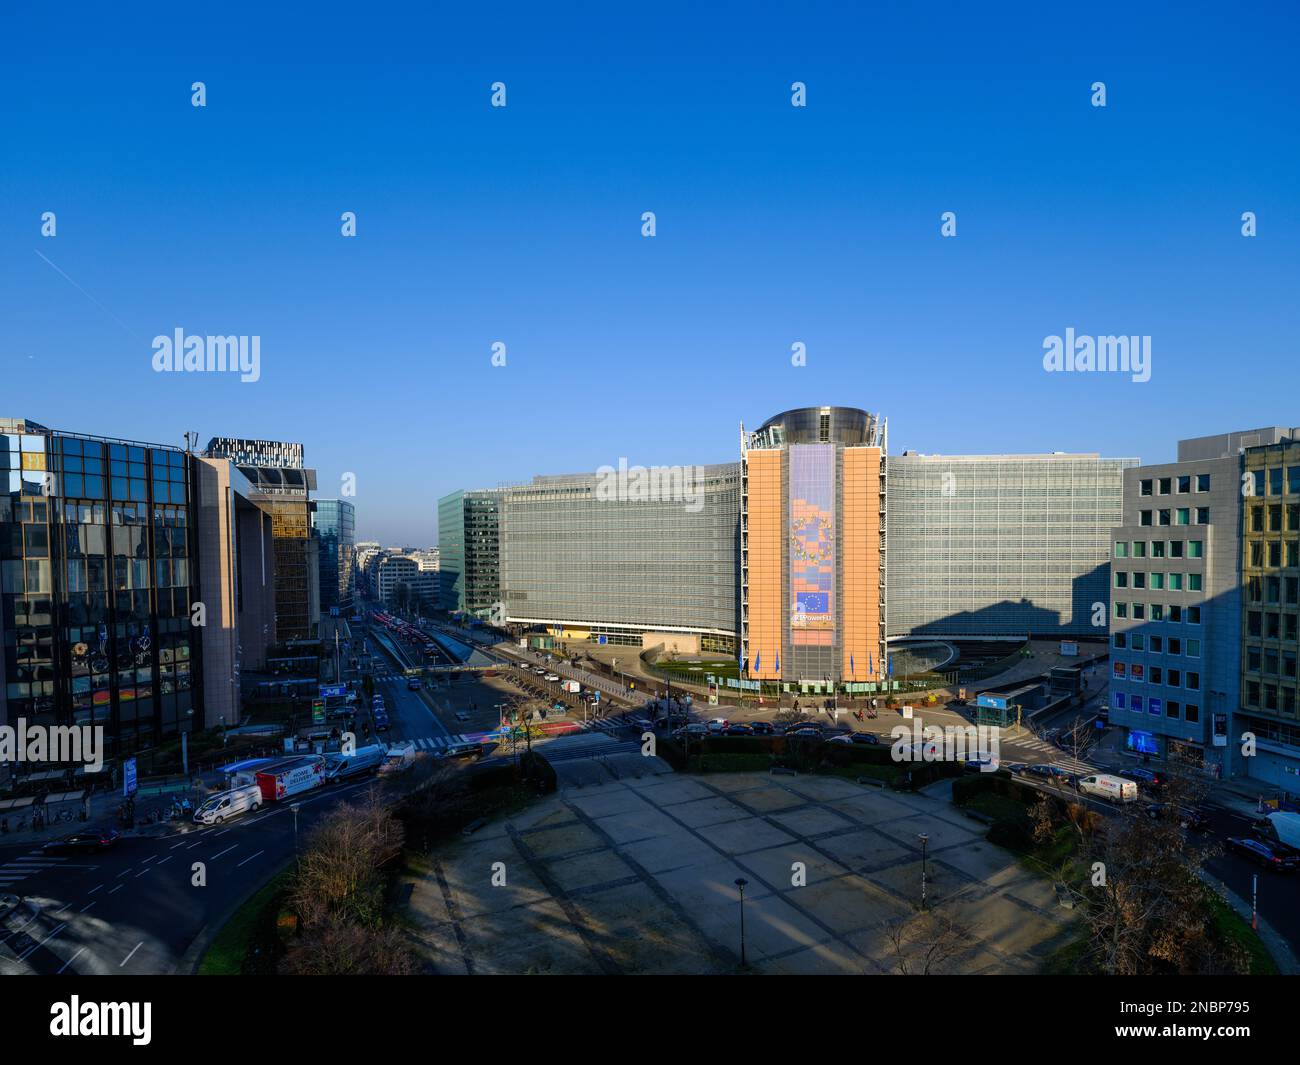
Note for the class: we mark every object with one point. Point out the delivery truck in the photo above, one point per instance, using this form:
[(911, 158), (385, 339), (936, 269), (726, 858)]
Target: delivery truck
[(292, 776), (572, 686)]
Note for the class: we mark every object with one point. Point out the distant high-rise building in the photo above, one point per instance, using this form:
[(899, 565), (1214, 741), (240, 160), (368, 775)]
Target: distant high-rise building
[(335, 521), (281, 482), (469, 531)]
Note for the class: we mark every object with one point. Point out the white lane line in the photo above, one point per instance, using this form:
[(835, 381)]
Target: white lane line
[(232, 847), (71, 960), (33, 950), (142, 873), (117, 889), (132, 954), (164, 861), (86, 907), (175, 845), (123, 873), (94, 889), (249, 859)]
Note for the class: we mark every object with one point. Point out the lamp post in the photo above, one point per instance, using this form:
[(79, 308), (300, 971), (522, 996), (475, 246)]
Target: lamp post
[(740, 883), (925, 840), (295, 808)]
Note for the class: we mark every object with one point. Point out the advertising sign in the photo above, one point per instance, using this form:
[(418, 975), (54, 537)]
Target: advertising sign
[(130, 778), (812, 544)]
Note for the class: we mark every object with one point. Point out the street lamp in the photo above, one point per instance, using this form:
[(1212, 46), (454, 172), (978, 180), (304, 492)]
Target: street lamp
[(925, 840), (740, 883), (295, 808)]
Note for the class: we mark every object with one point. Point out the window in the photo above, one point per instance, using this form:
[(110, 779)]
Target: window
[(1195, 548), (1166, 485), (1119, 640), (1144, 487), (1157, 644), (1202, 482), (1158, 581), (1121, 609), (1257, 483), (1163, 517), (1293, 480), (1193, 615), (1139, 611), (1192, 714), (1121, 549), (1139, 580), (1202, 515), (1175, 582), (1194, 582), (1275, 481), (1184, 516), (1121, 579), (1176, 614), (1171, 709), (1175, 678), (1184, 484), (1175, 549), (1139, 642), (1175, 645), (1157, 549), (1193, 681), (1157, 612), (1140, 548), (1144, 518), (1157, 675)]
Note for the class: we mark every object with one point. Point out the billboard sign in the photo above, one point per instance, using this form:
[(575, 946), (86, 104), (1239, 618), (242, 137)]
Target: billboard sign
[(812, 544)]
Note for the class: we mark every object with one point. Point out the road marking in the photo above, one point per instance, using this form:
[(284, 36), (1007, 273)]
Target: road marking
[(221, 833), (167, 859), (232, 847), (175, 845), (94, 889), (71, 960), (249, 859), (117, 889), (87, 906), (123, 873), (33, 950), (142, 873), (132, 954)]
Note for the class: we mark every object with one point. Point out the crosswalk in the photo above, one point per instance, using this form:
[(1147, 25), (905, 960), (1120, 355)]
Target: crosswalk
[(1053, 753), (578, 744), (19, 869)]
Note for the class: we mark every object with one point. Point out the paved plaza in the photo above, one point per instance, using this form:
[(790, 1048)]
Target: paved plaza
[(638, 876)]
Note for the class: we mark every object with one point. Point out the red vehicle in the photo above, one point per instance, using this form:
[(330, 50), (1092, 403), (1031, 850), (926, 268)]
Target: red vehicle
[(293, 776)]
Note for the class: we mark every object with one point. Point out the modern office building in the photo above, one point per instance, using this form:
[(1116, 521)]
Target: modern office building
[(989, 546), (336, 523), (96, 585), (237, 581), (395, 570), (469, 533), (812, 549), (642, 555), (1270, 619), (1176, 604), (281, 482)]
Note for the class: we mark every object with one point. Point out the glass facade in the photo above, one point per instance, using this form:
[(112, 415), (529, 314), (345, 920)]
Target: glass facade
[(572, 555), (1000, 545), (469, 545), (96, 570), (335, 520)]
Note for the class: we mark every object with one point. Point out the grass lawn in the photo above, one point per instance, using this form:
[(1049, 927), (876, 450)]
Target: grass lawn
[(1235, 928), (225, 955)]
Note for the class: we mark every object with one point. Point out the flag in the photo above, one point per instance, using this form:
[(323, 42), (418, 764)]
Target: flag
[(757, 659), (853, 672), (778, 662), (891, 665)]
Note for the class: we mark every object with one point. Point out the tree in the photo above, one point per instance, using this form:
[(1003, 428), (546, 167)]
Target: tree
[(926, 940), (402, 596)]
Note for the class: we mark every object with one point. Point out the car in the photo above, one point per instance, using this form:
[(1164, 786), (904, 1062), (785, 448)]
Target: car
[(554, 678), (870, 739), (1188, 816), (1145, 779), (1017, 768), (762, 728), (1270, 855), (468, 749), (86, 839), (382, 724), (1053, 774), (805, 733), (413, 684), (695, 730), (738, 730), (981, 762), (843, 739)]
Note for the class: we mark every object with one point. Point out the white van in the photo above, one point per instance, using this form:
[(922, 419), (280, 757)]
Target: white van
[(227, 804), (400, 758), (1105, 786)]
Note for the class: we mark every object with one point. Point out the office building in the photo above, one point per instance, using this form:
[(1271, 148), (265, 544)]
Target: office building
[(97, 581), (641, 556), (335, 522), (284, 485), (991, 546), (1270, 619), (1176, 605), (812, 549), (469, 532)]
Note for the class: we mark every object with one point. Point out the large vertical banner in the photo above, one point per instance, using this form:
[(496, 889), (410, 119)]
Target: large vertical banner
[(812, 544)]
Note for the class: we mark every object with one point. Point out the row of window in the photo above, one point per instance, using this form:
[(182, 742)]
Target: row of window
[(1270, 481), (1140, 673), (1189, 712), (1157, 645), (1175, 516), (1270, 662), (1159, 612), (1269, 518), (1159, 549), (1270, 697), (1270, 626), (1270, 554), (1175, 582), (1183, 484)]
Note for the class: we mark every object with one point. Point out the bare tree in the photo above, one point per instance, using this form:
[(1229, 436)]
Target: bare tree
[(926, 940)]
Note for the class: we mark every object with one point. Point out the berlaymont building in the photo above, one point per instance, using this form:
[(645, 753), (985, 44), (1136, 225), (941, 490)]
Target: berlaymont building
[(816, 552)]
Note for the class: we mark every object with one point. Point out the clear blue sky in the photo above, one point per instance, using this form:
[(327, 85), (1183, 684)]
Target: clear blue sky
[(522, 225)]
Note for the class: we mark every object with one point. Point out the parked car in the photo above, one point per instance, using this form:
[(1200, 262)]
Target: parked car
[(843, 740), (1017, 769), (1146, 779), (86, 839), (762, 728), (1270, 855), (695, 730), (805, 733), (552, 677), (739, 730), (468, 749), (1053, 774), (868, 738), (382, 724), (1188, 817)]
